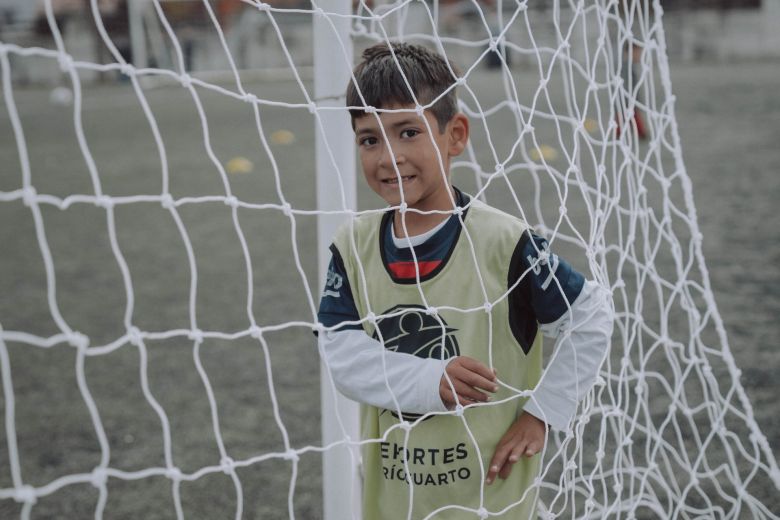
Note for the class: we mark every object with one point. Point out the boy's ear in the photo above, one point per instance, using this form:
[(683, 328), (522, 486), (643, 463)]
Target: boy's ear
[(458, 130)]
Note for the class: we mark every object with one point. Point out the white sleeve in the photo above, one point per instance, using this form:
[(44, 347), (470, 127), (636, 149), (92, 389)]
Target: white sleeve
[(365, 371), (583, 338)]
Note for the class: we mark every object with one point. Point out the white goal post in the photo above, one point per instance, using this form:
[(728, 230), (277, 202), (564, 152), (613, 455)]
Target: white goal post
[(335, 156)]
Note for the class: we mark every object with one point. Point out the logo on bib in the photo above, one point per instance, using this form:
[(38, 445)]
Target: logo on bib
[(411, 330)]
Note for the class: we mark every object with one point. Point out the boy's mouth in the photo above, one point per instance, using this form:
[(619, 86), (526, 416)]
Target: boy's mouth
[(394, 180)]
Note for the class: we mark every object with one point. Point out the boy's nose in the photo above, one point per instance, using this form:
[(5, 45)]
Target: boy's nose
[(386, 159)]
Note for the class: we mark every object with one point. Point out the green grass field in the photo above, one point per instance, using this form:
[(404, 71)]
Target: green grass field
[(728, 116)]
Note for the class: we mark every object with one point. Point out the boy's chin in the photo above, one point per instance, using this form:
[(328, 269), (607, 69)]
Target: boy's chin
[(395, 200)]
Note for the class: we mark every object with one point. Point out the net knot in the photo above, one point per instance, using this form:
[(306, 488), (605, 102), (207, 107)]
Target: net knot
[(419, 110), (482, 512), (457, 211), (173, 473), (127, 69), (543, 83), (250, 98), (166, 201), (460, 81), (257, 333), (600, 455), (492, 45), (287, 209), (528, 128), (312, 107), (499, 168), (371, 317), (370, 109), (488, 307), (405, 425), (231, 201), (28, 196), (403, 207), (104, 201), (185, 80), (291, 455), (617, 488), (134, 336), (99, 477), (628, 441), (319, 11), (572, 170), (562, 209), (78, 340), (228, 465), (195, 335), (262, 6), (25, 494), (571, 466), (590, 504), (65, 61), (459, 410), (431, 311)]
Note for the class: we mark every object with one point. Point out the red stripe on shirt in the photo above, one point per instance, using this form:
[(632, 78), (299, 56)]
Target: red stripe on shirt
[(407, 270)]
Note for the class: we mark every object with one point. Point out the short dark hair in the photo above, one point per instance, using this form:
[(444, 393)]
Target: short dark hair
[(381, 83)]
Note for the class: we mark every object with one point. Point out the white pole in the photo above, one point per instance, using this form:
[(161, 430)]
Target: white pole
[(335, 155)]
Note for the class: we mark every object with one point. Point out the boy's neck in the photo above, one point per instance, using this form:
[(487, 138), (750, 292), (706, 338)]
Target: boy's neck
[(419, 223)]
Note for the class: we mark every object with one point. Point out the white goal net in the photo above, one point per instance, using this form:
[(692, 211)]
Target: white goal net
[(157, 357)]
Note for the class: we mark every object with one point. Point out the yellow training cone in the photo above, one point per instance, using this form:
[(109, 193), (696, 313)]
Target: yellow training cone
[(239, 165), (547, 152), (282, 137), (591, 125)]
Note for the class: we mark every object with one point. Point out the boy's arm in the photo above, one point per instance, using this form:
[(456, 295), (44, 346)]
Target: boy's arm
[(583, 339), (363, 370), (583, 336), (579, 314)]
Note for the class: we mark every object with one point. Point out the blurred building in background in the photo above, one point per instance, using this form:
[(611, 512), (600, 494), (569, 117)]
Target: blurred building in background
[(696, 30)]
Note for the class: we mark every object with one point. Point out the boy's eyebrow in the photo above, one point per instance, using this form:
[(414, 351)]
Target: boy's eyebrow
[(402, 122)]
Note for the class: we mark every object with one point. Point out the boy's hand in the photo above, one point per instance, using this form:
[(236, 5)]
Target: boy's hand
[(471, 380), (525, 438)]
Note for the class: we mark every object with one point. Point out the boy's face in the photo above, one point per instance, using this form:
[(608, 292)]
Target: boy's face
[(414, 148)]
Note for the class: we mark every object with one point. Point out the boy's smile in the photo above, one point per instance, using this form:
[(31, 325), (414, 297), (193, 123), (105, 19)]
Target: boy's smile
[(424, 179)]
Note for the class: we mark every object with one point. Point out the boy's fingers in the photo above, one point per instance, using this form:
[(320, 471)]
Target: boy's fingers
[(478, 368), (498, 461), (466, 392), (475, 381)]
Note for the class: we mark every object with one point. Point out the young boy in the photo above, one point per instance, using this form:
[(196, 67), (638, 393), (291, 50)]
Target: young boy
[(436, 305)]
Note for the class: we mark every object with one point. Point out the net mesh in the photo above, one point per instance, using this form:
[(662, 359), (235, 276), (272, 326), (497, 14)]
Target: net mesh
[(573, 129)]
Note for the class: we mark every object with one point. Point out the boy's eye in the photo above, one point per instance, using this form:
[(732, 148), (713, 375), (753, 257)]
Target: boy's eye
[(367, 141), (408, 133)]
